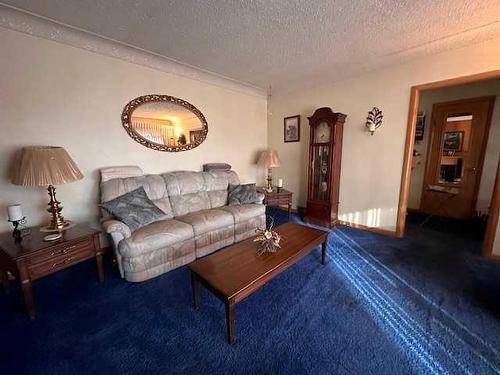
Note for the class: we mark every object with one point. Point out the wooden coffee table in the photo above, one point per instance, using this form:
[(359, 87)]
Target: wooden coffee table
[(235, 272)]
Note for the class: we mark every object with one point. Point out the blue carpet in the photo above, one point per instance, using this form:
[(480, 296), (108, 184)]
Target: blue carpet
[(423, 304)]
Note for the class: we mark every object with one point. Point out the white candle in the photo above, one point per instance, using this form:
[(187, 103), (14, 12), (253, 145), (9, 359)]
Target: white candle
[(15, 212), (280, 183)]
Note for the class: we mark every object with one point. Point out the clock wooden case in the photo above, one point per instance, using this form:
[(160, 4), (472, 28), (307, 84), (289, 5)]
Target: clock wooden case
[(325, 154)]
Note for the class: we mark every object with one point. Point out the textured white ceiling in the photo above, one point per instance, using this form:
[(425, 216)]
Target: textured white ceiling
[(284, 43)]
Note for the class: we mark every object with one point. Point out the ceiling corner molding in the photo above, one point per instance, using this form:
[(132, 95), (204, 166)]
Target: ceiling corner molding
[(34, 25)]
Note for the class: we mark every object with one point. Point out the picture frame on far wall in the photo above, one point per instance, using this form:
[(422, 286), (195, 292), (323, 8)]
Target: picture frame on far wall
[(195, 135), (453, 141), (291, 129)]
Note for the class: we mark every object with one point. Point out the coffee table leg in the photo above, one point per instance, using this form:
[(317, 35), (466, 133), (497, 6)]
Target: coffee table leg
[(323, 252), (230, 322), (196, 291)]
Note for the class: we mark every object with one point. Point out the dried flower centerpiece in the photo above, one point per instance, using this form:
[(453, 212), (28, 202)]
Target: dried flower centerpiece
[(268, 239)]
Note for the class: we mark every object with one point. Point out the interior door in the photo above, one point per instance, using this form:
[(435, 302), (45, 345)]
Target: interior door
[(455, 156)]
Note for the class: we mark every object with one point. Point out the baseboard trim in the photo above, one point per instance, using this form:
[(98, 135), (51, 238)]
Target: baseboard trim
[(494, 257), (385, 232)]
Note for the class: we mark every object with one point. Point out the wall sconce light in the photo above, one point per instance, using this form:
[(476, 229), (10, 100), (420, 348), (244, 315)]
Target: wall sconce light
[(374, 120)]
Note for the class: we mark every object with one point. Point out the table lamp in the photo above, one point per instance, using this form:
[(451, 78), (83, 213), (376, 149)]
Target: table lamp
[(269, 159), (47, 166)]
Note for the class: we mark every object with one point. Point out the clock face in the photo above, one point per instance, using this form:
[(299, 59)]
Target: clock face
[(322, 133)]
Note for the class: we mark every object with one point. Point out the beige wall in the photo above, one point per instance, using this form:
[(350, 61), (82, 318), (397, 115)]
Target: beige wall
[(371, 165), (427, 99), (54, 94)]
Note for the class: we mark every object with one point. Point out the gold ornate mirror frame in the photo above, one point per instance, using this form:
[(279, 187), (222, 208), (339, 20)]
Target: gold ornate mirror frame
[(135, 103)]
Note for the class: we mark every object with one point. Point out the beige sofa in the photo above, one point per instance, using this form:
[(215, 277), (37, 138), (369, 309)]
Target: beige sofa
[(197, 219)]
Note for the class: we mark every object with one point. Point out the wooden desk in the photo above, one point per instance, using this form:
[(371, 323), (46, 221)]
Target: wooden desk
[(34, 258)]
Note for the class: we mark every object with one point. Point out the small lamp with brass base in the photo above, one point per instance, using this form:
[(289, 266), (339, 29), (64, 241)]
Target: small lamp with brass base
[(269, 159), (47, 166)]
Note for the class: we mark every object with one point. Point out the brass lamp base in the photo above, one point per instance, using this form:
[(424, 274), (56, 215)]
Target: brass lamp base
[(55, 207), (269, 187)]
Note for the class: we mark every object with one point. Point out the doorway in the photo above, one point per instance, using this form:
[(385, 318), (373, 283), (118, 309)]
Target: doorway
[(459, 137), (449, 168)]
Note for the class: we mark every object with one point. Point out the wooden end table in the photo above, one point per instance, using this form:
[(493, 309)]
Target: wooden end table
[(34, 258), (277, 198), (234, 273)]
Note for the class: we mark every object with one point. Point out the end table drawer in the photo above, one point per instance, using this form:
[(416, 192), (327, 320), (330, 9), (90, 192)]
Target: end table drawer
[(51, 265), (283, 201), (61, 250)]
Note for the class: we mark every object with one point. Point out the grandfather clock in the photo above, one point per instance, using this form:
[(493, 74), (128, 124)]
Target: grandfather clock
[(325, 154)]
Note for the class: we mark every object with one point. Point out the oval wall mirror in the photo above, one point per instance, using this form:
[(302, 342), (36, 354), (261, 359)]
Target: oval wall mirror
[(164, 123)]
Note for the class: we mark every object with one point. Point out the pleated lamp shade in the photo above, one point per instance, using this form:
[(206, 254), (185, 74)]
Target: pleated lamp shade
[(269, 158), (45, 165)]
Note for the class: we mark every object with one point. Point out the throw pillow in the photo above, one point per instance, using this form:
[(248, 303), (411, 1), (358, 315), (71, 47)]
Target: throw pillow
[(242, 194), (134, 208)]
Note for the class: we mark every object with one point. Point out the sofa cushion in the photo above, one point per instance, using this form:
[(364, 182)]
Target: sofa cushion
[(184, 182), (110, 173), (247, 229), (194, 191), (218, 198), (134, 208), (155, 236), (214, 240), (154, 186), (220, 180), (208, 220), (155, 263), (245, 212), (188, 203), (217, 182)]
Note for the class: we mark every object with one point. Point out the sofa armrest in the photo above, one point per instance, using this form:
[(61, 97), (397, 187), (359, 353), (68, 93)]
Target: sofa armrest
[(116, 227), (260, 198), (118, 231)]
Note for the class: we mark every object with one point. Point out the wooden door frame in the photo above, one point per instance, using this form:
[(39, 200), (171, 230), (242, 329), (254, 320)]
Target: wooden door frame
[(432, 142), (404, 190), (492, 223)]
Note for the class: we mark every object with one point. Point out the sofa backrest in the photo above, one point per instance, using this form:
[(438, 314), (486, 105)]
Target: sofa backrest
[(153, 185), (175, 193), (195, 191)]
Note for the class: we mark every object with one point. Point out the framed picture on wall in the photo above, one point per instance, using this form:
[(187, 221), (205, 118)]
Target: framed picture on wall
[(291, 129), (419, 131), (453, 141), (195, 135)]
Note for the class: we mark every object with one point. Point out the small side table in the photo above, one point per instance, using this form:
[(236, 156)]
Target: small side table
[(276, 199), (34, 258)]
